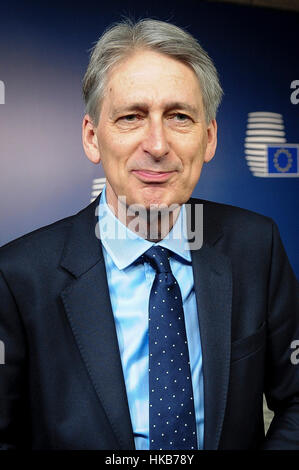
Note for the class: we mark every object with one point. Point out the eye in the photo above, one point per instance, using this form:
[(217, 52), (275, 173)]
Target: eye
[(130, 118), (181, 117)]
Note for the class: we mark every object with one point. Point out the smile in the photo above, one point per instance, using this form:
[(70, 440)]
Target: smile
[(152, 176)]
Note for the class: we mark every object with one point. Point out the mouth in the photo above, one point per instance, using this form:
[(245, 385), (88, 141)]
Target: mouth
[(148, 176)]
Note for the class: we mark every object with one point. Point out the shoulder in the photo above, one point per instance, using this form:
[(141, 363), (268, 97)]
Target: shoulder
[(240, 228), (42, 242), (228, 216), (45, 243)]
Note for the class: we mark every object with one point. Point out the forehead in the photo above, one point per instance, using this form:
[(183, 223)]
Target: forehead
[(153, 78)]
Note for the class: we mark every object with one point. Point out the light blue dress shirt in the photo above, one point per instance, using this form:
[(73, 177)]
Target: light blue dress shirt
[(129, 286)]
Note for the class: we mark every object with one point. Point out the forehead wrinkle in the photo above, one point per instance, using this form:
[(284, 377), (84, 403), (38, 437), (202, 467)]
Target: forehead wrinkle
[(128, 77), (144, 107), (137, 106)]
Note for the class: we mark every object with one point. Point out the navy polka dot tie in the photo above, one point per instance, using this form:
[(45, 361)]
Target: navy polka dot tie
[(171, 408)]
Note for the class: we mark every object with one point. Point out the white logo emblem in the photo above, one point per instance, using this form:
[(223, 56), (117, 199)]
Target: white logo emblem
[(266, 150), (97, 187)]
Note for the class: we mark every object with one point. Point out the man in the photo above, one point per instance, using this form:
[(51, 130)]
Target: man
[(120, 335)]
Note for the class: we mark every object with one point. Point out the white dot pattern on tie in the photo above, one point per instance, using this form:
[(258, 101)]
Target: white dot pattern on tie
[(171, 416)]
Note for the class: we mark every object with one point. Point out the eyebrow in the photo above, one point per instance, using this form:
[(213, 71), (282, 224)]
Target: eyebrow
[(143, 107), (183, 106)]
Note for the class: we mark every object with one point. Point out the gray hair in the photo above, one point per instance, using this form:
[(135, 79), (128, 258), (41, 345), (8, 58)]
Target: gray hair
[(122, 39)]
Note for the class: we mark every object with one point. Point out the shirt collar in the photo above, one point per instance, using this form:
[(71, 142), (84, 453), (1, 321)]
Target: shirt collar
[(124, 246)]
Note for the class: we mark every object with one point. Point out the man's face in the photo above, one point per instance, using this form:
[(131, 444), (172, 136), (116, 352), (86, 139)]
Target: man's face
[(152, 137)]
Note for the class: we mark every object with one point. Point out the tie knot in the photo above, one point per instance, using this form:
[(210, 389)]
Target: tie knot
[(158, 257)]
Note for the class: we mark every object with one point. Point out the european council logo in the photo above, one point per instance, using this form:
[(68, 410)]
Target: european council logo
[(266, 150), (97, 187)]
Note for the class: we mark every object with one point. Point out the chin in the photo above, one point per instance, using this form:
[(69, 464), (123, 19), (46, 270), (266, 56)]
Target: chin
[(155, 196)]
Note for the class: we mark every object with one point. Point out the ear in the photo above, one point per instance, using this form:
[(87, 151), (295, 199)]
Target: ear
[(89, 140), (211, 141)]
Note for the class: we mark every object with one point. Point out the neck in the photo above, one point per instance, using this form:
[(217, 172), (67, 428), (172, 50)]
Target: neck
[(153, 223)]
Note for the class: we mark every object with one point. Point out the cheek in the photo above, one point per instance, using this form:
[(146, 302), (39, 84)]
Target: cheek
[(116, 150), (192, 166), (193, 157)]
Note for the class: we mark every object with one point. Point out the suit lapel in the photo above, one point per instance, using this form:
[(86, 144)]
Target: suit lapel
[(213, 289), (87, 304)]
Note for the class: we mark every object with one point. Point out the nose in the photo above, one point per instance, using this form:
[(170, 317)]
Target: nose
[(155, 140)]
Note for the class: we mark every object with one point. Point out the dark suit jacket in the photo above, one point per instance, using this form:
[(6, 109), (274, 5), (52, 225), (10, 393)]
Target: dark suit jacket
[(62, 385)]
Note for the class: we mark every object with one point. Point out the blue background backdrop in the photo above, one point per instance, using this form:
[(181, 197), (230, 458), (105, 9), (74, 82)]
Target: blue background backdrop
[(43, 56)]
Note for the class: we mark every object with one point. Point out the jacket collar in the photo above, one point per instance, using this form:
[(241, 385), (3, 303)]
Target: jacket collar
[(88, 307), (83, 250)]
